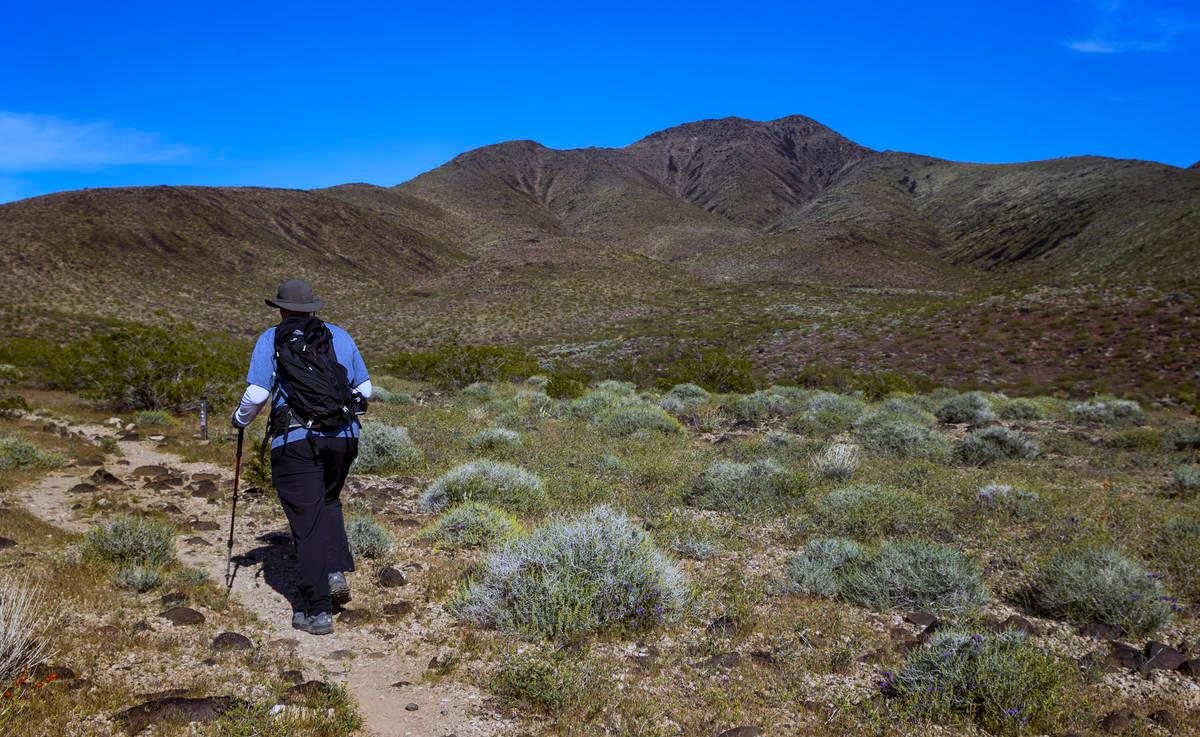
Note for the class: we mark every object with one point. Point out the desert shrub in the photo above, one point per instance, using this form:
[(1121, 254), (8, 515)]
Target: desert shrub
[(495, 440), (838, 462), (888, 434), (456, 364), (509, 486), (911, 575), (548, 683), (1021, 409), (689, 391), (779, 442), (1146, 439), (996, 443), (472, 524), (481, 390), (535, 403), (971, 407), (595, 404), (1004, 498), (138, 578), (386, 448), (742, 488), (25, 625), (387, 396), (1186, 478), (816, 568), (1177, 545), (1099, 584), (712, 368), (621, 388), (625, 421), (153, 418), (132, 540), (566, 383), (574, 575), (1000, 681), (696, 548), (17, 453), (611, 465), (760, 405), (826, 413), (168, 366), (1183, 436), (873, 384), (368, 537), (910, 408), (538, 381), (870, 512), (1107, 412)]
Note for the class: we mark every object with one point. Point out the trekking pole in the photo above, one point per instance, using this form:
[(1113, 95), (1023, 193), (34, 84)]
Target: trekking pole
[(230, 571)]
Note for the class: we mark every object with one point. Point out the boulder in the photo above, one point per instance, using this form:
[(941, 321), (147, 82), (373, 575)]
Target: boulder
[(232, 641), (182, 616), (175, 710)]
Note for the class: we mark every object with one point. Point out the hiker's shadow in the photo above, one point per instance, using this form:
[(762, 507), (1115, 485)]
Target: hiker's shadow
[(279, 568)]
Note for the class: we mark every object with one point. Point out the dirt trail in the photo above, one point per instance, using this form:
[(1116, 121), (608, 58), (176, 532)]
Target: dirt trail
[(368, 660)]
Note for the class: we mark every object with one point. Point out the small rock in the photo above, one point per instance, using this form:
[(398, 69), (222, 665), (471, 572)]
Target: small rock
[(103, 476), (158, 438), (175, 710), (1126, 656), (744, 731), (293, 676), (723, 660), (1190, 668), (82, 489), (1163, 718), (171, 508), (181, 616), (1160, 656), (342, 655), (205, 526), (205, 477), (130, 435), (1018, 623), (724, 625), (150, 470), (411, 707), (198, 541), (302, 693), (1117, 721), (1098, 631), (921, 619), (7, 542), (285, 643), (391, 577), (232, 641), (398, 609), (43, 672), (401, 684), (354, 616), (174, 598), (762, 657)]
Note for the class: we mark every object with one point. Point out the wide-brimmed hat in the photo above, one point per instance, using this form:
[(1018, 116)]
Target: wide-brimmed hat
[(295, 295)]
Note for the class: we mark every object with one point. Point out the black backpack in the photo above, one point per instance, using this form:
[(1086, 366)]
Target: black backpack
[(318, 391)]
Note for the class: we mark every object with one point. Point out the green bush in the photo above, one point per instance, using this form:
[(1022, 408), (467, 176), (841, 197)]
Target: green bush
[(869, 512), (138, 578), (534, 403), (826, 413), (387, 396), (18, 454), (481, 390), (1108, 412), (1186, 478), (1099, 584), (495, 440), (760, 486), (368, 537), (711, 368), (996, 443), (456, 364), (384, 448), (1177, 545), (1000, 681), (153, 418), (972, 407), (817, 568), (538, 381), (759, 406), (472, 524), (625, 421), (547, 683), (170, 366), (888, 434), (595, 404), (571, 576), (566, 383), (132, 540), (503, 484), (1021, 409), (908, 575), (1005, 499), (621, 388)]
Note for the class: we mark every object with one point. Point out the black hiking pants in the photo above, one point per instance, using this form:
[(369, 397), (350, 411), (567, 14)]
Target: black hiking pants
[(308, 475)]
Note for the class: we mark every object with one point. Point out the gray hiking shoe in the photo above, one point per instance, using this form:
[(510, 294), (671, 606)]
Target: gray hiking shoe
[(315, 624), (339, 588)]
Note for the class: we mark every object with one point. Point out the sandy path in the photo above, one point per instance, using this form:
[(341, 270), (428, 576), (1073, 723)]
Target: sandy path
[(383, 654)]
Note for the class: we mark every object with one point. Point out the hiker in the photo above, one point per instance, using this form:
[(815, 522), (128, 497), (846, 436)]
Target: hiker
[(320, 385)]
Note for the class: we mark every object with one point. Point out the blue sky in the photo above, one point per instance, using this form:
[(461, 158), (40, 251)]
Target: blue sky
[(309, 95)]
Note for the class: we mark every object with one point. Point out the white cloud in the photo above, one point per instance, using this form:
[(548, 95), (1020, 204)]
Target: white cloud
[(1116, 27), (30, 142)]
